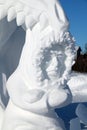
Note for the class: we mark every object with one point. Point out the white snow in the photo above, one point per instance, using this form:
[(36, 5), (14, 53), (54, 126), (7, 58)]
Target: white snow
[(81, 112), (75, 124), (29, 101), (78, 87)]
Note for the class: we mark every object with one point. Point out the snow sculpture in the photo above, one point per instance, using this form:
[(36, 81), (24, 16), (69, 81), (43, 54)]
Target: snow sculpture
[(38, 86), (78, 87), (81, 112), (28, 14), (39, 83), (75, 124)]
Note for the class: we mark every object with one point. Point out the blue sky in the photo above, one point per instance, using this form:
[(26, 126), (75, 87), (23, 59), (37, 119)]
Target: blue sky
[(76, 11)]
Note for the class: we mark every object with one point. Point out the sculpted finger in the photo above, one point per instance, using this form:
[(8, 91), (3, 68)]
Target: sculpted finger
[(30, 21), (20, 18), (43, 21), (11, 14)]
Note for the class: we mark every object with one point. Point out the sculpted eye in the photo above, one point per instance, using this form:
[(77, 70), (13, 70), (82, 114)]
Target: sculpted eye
[(60, 58)]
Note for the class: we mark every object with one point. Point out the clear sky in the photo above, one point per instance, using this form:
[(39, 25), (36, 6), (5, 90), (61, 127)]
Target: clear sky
[(76, 11)]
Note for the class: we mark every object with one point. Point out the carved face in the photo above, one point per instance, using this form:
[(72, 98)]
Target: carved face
[(48, 61), (52, 65)]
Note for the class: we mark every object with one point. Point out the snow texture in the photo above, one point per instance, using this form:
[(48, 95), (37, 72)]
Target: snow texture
[(35, 65)]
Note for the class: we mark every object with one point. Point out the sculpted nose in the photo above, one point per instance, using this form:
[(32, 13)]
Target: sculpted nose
[(53, 64)]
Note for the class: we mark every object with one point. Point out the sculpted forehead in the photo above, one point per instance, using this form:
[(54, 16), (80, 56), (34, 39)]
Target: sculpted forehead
[(54, 49)]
